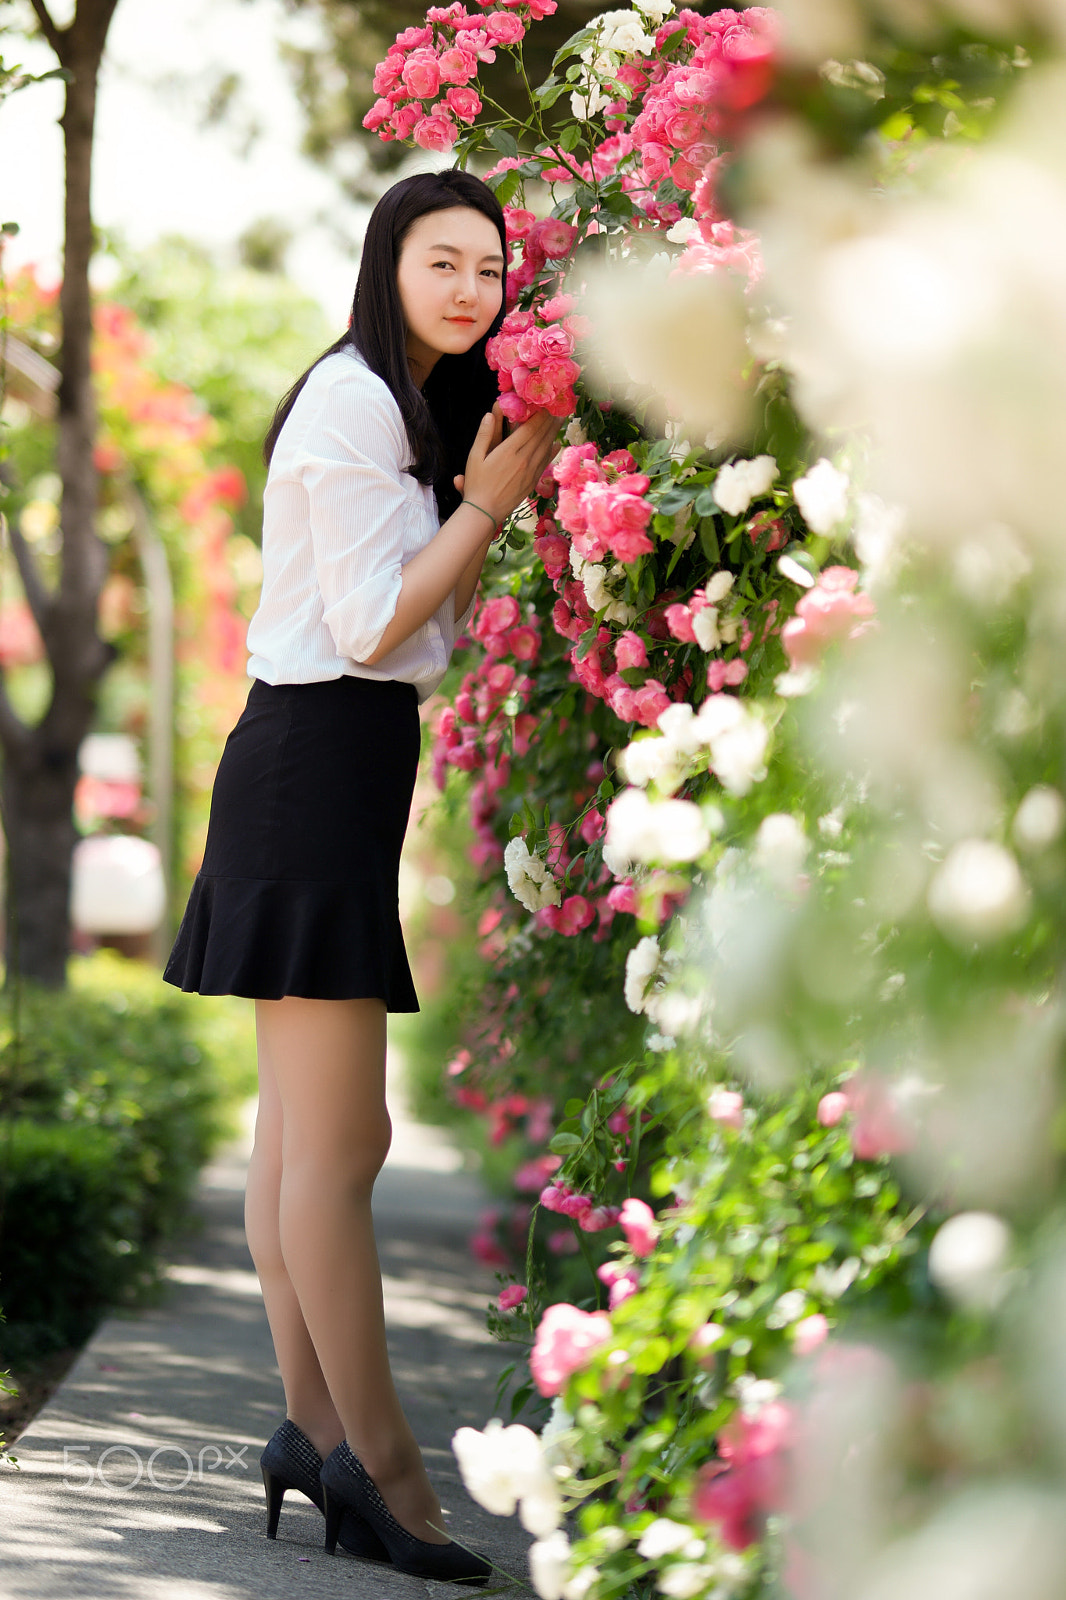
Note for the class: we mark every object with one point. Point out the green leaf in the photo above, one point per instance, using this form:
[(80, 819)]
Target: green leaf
[(706, 504), (574, 45), (561, 1142), (548, 97), (502, 141), (571, 138), (505, 185)]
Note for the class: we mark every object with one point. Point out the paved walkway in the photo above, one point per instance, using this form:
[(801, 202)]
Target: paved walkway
[(140, 1478)]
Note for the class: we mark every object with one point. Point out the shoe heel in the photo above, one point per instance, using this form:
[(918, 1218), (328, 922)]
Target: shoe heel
[(334, 1511), (275, 1493)]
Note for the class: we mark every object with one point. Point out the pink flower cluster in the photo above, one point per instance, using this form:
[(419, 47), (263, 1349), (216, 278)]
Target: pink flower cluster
[(686, 109), (566, 1337), (601, 503), (830, 612), (750, 1480), (469, 734), (581, 1208), (621, 1281), (533, 353), (424, 82)]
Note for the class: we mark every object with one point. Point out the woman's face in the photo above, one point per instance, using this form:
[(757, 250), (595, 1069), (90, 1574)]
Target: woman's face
[(450, 278)]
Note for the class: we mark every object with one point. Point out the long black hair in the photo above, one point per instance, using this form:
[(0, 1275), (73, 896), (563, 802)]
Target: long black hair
[(441, 421)]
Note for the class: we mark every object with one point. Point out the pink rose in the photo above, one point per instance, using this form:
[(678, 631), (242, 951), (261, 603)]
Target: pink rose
[(503, 28), (596, 1220), (630, 651), (878, 1129), (703, 1341), (553, 1197), (809, 1334), (639, 1226), (727, 1107), (514, 408), (466, 103), (421, 74), (554, 552), (831, 1107), (830, 612), (486, 1249), (621, 1281), (524, 642), (560, 305), (406, 119), (593, 824), (649, 703), (518, 222), (679, 621), (497, 616), (628, 543), (722, 673), (566, 1337), (512, 1296), (623, 897), (553, 237), (437, 132)]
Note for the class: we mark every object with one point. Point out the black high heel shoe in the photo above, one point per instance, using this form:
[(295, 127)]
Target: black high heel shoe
[(290, 1461), (347, 1486)]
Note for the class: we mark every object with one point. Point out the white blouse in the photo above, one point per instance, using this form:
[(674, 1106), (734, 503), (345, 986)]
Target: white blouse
[(341, 519)]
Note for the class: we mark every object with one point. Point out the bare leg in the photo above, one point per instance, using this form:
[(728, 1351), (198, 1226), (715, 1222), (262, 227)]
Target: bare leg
[(307, 1397), (328, 1062)]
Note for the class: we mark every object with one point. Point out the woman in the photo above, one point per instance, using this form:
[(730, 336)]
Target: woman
[(364, 592)]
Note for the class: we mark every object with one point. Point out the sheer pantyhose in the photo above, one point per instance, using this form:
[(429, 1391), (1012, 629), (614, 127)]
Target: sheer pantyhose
[(321, 1136)]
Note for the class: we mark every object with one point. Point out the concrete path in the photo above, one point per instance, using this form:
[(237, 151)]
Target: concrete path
[(140, 1478)]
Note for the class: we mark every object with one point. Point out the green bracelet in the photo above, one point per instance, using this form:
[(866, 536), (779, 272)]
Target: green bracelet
[(484, 513)]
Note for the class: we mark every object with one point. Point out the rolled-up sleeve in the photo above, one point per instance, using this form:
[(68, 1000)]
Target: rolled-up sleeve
[(350, 463)]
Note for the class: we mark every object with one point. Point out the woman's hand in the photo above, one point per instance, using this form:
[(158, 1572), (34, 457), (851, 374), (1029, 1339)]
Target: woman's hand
[(501, 473)]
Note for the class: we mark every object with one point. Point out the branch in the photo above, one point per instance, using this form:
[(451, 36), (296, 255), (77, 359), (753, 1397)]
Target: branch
[(53, 34), (37, 596)]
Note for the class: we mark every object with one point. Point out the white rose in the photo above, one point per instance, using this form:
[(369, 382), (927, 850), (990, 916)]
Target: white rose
[(500, 1466), (780, 847), (822, 496), (642, 968), (720, 583), (656, 11), (575, 433), (1040, 818), (664, 1538), (656, 830), (736, 740), (548, 1560), (705, 627), (528, 877), (979, 892), (685, 1579), (741, 482), (655, 761), (967, 1258), (624, 32)]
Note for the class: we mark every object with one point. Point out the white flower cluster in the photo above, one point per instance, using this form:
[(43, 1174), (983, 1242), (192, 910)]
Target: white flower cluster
[(732, 736), (650, 831), (529, 877), (623, 33), (595, 576), (712, 630), (822, 496), (504, 1467), (741, 482)]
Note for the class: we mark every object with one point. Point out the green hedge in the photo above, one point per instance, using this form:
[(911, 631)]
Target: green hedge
[(112, 1095)]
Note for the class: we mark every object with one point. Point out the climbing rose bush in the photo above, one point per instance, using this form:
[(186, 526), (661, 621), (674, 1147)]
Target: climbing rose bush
[(752, 746)]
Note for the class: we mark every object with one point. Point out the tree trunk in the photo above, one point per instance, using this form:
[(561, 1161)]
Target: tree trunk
[(40, 764)]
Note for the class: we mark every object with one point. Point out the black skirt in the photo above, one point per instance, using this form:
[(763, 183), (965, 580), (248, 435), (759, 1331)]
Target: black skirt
[(297, 894)]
